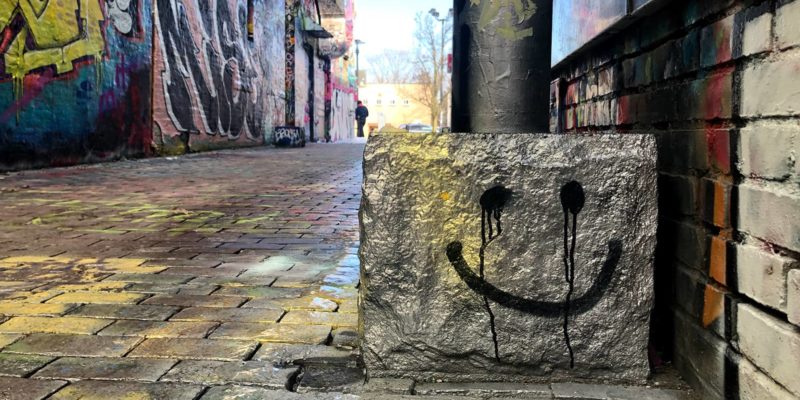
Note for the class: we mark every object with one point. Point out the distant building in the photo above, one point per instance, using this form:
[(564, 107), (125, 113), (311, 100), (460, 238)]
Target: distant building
[(393, 104)]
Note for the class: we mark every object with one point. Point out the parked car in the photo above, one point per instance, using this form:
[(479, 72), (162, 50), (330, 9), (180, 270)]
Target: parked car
[(418, 128)]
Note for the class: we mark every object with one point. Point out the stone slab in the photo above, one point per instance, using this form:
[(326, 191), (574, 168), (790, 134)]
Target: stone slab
[(195, 349), (228, 314), (86, 390), (299, 354), (115, 369), (27, 389), (255, 373), (331, 378), (21, 365), (305, 334), (477, 249), (159, 329), (125, 311), (73, 345)]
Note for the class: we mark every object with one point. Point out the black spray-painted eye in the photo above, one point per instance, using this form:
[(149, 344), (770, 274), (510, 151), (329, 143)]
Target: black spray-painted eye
[(573, 197)]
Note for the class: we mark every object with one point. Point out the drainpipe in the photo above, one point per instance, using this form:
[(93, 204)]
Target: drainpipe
[(501, 66)]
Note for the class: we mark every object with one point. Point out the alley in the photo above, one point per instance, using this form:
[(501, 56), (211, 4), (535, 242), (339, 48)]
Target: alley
[(181, 277)]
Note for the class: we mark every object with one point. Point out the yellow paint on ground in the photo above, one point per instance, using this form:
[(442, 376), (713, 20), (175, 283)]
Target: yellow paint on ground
[(69, 325), (8, 338), (15, 308), (99, 298), (335, 320)]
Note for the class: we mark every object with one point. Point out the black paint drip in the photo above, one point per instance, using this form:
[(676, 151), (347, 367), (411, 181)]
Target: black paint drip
[(572, 201), (492, 203)]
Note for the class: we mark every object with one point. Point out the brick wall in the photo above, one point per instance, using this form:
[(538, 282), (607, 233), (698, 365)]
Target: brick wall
[(718, 82)]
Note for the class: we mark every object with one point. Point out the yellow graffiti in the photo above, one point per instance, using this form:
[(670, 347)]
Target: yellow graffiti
[(516, 13), (62, 31)]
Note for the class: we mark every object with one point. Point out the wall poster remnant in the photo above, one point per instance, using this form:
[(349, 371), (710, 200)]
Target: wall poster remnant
[(576, 22), (508, 257)]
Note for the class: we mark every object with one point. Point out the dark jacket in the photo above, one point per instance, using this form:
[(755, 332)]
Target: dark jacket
[(362, 112)]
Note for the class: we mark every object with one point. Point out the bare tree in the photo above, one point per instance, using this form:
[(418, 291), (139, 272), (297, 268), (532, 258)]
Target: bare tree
[(390, 66), (432, 40)]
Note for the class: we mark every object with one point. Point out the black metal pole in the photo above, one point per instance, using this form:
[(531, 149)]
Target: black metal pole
[(501, 66)]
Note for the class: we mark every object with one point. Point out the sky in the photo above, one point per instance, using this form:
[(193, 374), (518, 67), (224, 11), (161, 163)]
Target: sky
[(389, 24)]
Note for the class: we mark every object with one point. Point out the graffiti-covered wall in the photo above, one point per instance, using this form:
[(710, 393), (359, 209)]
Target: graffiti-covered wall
[(341, 89), (214, 85), (74, 81)]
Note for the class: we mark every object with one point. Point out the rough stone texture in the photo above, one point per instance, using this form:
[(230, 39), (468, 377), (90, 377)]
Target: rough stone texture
[(422, 193), (330, 378), (299, 354)]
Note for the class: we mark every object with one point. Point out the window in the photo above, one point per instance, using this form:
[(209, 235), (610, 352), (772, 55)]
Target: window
[(406, 102), (378, 102), (392, 102)]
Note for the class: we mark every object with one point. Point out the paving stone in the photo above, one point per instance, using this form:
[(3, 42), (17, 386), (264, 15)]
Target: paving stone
[(183, 300), (389, 386), (228, 314), (195, 349), (8, 338), (125, 311), (233, 281), (21, 365), (259, 292), (12, 308), (328, 378), (159, 288), (263, 303), (27, 389), (116, 369), (221, 372), (98, 390), (578, 391), (299, 354), (149, 278), (306, 334), (335, 320), (98, 298), (255, 393), (73, 345), (480, 389), (159, 329), (53, 325), (308, 303), (345, 337)]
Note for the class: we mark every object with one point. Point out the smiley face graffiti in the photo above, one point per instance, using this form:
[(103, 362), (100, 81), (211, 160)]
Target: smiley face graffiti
[(573, 199)]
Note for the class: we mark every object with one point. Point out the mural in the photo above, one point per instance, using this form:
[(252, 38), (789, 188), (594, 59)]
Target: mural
[(74, 81), (576, 22), (492, 204), (212, 83)]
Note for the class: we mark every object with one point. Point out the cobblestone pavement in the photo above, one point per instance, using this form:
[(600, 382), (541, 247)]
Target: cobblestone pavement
[(226, 275), (213, 275)]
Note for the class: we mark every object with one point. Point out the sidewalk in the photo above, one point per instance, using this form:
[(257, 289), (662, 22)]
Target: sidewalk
[(199, 273)]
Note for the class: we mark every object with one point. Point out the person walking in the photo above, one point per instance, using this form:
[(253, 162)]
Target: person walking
[(361, 117)]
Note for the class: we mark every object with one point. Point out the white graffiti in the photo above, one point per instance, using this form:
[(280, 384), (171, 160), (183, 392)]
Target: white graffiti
[(343, 109), (122, 14)]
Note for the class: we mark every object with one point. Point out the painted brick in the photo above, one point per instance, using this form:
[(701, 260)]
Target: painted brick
[(786, 27), (755, 385), (686, 242), (769, 149), (772, 345), (771, 88), (793, 296), (769, 212), (762, 275), (677, 195), (717, 42), (757, 36), (682, 152), (684, 56), (700, 357), (716, 203)]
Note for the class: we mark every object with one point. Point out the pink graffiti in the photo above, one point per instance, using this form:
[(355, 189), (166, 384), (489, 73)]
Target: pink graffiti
[(33, 86)]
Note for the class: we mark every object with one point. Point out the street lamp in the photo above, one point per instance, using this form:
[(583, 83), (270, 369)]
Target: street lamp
[(358, 71), (435, 14)]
